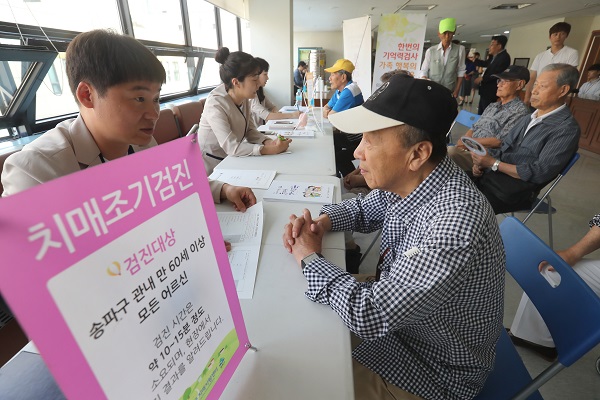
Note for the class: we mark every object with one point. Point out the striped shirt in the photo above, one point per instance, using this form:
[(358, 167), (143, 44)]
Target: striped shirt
[(430, 324), (545, 150), (498, 119)]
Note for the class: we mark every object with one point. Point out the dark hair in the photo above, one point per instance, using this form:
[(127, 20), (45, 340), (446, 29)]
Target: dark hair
[(567, 75), (235, 65), (302, 64), (344, 72), (560, 27), (410, 135), (477, 54), (264, 67), (501, 40), (104, 58), (594, 67)]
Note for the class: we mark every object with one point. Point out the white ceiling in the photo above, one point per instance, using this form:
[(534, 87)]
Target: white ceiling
[(476, 15)]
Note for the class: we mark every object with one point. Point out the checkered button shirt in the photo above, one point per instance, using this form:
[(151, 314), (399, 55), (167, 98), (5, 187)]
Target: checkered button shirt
[(430, 324)]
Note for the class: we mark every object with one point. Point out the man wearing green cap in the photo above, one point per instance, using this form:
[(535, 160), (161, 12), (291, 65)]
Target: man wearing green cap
[(445, 63)]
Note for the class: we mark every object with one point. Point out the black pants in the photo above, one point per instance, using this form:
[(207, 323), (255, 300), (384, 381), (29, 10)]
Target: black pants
[(505, 193), (344, 152)]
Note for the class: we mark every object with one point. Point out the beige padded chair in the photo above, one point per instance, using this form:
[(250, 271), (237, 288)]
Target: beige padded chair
[(166, 128)]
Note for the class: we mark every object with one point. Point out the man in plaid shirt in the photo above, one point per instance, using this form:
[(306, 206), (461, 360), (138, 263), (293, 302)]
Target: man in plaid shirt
[(430, 322)]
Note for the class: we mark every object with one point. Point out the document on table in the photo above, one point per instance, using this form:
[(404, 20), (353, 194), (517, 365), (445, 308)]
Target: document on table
[(305, 192), (244, 232), (287, 109), (252, 178), (298, 133)]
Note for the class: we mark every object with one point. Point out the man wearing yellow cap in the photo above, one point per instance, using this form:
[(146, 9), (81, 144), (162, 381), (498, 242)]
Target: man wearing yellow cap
[(347, 93), (445, 63)]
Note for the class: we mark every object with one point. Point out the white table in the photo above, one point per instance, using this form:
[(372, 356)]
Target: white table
[(309, 156), (303, 347)]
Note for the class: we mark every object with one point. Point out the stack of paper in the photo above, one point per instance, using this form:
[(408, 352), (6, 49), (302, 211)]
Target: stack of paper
[(244, 232), (306, 192)]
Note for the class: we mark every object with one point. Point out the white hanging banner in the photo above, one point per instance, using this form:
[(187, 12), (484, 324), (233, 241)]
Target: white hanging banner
[(357, 48), (399, 44)]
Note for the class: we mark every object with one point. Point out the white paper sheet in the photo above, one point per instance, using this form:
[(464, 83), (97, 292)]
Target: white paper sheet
[(252, 178), (305, 192), (244, 232)]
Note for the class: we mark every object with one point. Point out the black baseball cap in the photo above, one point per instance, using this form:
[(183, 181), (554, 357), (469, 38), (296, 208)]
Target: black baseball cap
[(514, 73), (421, 103)]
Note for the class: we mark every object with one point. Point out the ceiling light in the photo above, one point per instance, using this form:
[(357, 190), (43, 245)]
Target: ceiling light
[(506, 32), (512, 6), (416, 7)]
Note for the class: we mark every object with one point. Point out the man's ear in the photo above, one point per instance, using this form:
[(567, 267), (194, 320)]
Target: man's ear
[(564, 90), (85, 94), (421, 152)]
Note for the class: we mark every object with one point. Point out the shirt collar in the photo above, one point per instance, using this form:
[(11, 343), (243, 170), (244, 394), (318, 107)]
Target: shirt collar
[(406, 207), (535, 113)]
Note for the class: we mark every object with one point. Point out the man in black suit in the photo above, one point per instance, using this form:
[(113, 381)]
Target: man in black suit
[(497, 62)]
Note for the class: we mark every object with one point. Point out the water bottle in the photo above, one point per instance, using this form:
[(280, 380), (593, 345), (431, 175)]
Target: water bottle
[(298, 99)]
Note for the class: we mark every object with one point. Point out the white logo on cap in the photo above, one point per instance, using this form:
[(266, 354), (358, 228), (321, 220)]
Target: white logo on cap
[(428, 87), (379, 91)]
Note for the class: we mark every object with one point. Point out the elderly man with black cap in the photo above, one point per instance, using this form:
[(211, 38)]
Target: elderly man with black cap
[(430, 320), (498, 118)]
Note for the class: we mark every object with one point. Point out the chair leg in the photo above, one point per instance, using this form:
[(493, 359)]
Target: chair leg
[(550, 232), (539, 381)]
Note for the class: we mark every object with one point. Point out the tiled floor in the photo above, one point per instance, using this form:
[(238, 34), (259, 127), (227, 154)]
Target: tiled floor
[(577, 199)]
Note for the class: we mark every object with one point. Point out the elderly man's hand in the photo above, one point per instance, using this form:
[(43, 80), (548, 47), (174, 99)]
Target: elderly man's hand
[(303, 236), (483, 161), (241, 197), (477, 172)]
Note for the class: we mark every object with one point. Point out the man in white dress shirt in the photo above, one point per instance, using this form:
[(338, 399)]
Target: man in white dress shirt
[(558, 53), (591, 89)]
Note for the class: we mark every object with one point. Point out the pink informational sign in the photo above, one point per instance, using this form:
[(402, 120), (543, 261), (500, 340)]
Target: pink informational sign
[(119, 275)]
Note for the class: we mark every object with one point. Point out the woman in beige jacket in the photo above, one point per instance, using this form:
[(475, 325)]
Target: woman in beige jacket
[(226, 126)]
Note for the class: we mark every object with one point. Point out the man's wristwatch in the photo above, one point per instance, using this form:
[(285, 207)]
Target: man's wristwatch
[(311, 257), (495, 166)]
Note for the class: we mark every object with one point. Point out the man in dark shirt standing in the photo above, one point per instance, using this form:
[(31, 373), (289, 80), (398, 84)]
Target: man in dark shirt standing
[(299, 76), (538, 147), (498, 61)]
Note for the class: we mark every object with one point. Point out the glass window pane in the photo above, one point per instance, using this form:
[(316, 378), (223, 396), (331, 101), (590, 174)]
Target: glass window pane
[(229, 32), (203, 26), (210, 73), (54, 97), (157, 20), (246, 36), (4, 133), (62, 14), (180, 73), (12, 73)]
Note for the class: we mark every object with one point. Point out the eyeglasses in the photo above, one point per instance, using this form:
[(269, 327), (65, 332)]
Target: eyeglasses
[(505, 81)]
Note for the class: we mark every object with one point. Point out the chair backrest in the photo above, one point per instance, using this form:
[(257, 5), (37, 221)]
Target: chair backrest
[(188, 114), (571, 310), (464, 118), (166, 128), (562, 173)]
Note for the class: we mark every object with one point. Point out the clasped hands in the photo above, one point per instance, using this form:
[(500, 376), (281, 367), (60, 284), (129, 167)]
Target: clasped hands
[(303, 235), (480, 163)]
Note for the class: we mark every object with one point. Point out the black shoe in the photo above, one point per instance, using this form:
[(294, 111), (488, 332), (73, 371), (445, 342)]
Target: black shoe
[(547, 353)]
